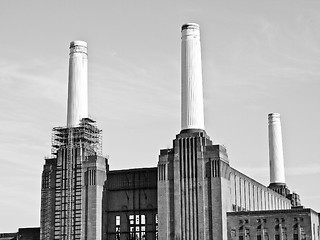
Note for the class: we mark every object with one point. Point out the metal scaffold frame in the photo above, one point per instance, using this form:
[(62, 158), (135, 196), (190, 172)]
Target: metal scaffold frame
[(69, 186), (86, 133), (71, 146)]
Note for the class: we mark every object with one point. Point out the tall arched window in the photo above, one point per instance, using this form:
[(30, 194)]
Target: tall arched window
[(303, 233), (296, 231), (277, 232), (284, 233), (259, 232), (241, 233), (265, 234), (244, 233)]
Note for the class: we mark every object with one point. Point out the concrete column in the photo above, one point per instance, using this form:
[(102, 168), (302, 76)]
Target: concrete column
[(275, 149), (78, 83), (94, 174), (192, 116)]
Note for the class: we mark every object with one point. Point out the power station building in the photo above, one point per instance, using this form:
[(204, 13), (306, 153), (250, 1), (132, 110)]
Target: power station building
[(193, 193)]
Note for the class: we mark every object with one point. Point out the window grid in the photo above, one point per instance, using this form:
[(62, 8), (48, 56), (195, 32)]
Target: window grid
[(118, 223), (137, 227), (157, 227)]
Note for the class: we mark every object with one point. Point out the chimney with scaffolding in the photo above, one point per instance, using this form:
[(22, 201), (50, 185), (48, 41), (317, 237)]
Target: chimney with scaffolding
[(74, 176)]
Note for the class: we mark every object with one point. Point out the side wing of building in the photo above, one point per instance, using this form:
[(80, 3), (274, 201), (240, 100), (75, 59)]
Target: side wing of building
[(250, 195)]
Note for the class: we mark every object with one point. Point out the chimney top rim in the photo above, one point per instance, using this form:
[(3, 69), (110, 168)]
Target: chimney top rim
[(190, 25), (78, 43), (273, 115)]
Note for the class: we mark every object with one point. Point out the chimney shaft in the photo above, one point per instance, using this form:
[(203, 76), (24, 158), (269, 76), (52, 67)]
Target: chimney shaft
[(192, 116), (78, 83), (275, 149)]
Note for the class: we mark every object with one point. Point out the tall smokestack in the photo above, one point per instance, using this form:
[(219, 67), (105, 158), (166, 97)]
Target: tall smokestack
[(275, 149), (192, 116), (78, 83)]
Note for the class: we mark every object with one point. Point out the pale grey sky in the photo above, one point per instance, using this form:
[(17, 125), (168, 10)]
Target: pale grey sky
[(258, 57)]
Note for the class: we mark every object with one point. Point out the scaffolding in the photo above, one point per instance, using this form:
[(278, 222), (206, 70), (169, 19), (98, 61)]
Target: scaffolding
[(70, 186), (71, 146), (86, 134)]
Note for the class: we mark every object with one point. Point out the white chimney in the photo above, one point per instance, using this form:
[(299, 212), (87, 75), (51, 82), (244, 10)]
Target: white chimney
[(78, 83), (192, 116), (275, 149)]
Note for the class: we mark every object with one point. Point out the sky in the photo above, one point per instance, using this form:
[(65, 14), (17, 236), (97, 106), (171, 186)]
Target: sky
[(258, 57)]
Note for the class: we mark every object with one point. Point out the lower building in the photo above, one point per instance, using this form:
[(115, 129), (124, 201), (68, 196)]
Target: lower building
[(22, 234), (296, 224)]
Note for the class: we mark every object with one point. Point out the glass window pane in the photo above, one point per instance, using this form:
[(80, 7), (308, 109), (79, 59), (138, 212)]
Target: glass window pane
[(143, 219), (117, 220)]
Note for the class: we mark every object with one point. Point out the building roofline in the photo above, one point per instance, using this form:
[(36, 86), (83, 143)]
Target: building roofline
[(270, 212), (132, 170)]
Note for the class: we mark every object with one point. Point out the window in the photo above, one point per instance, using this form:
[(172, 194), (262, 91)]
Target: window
[(157, 228), (265, 233), (284, 233), (247, 233), (131, 226), (233, 233), (295, 232), (277, 232), (303, 234), (244, 233), (117, 220), (137, 227), (241, 232), (259, 232), (117, 227)]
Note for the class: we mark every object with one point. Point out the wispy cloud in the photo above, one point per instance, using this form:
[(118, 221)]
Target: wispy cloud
[(32, 79), (132, 89)]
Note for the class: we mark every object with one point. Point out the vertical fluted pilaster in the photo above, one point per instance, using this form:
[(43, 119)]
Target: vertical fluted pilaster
[(78, 83), (275, 149), (192, 116)]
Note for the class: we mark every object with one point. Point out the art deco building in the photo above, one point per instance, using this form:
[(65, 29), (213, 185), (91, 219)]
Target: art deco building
[(193, 193)]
